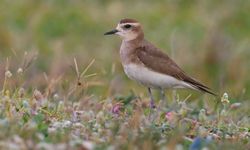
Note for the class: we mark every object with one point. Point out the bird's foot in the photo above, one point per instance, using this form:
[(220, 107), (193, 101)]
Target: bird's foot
[(153, 113), (152, 105)]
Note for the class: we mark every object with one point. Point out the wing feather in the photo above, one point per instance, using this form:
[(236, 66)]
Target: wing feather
[(158, 61)]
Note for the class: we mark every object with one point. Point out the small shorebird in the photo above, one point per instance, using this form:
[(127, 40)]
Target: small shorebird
[(148, 65)]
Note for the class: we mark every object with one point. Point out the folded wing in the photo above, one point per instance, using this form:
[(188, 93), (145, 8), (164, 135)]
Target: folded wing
[(158, 61)]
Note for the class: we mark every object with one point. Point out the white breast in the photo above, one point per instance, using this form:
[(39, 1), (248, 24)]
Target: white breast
[(153, 79)]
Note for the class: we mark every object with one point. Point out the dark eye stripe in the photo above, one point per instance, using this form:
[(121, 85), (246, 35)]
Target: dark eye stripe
[(127, 26)]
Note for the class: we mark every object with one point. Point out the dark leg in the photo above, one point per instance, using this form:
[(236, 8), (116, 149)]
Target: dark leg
[(152, 104)]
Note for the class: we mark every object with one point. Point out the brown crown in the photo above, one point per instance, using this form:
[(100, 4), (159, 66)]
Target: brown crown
[(127, 20)]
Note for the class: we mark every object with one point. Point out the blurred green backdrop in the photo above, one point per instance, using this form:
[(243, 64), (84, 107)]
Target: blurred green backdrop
[(209, 39)]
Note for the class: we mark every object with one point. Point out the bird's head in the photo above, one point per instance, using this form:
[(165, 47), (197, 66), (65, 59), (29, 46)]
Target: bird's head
[(128, 29)]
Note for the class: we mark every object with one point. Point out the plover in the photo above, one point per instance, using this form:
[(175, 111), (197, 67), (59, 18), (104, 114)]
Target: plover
[(148, 65)]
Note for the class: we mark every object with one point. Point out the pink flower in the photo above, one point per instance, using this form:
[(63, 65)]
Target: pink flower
[(116, 108), (170, 115)]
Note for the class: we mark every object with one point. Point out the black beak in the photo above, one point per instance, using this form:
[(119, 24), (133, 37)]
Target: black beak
[(111, 32)]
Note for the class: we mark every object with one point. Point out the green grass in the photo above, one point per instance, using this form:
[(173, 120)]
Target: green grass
[(124, 122), (45, 104)]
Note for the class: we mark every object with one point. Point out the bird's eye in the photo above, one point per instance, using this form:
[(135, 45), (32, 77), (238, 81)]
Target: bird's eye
[(127, 26)]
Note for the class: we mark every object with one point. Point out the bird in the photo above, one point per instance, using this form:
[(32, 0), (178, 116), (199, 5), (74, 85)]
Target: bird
[(148, 65)]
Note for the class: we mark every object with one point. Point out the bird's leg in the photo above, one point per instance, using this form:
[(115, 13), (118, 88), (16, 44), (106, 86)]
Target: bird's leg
[(162, 100), (163, 97), (152, 104)]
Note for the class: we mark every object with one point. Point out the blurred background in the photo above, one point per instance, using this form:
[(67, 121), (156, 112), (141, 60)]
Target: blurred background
[(209, 39)]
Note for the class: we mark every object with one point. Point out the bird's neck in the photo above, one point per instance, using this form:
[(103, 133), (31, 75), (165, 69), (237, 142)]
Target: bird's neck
[(134, 42), (128, 49)]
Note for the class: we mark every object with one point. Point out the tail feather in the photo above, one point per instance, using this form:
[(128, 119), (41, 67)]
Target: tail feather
[(199, 86), (207, 90)]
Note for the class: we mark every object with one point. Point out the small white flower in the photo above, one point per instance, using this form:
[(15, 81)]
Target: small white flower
[(66, 124), (8, 74), (19, 70), (202, 115), (56, 96), (224, 99)]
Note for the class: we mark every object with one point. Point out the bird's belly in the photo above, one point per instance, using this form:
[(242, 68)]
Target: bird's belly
[(152, 79)]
